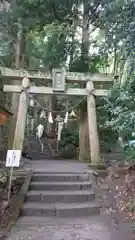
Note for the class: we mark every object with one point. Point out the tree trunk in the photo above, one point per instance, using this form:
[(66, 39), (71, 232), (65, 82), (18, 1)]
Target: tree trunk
[(72, 50), (85, 39), (18, 62), (84, 143)]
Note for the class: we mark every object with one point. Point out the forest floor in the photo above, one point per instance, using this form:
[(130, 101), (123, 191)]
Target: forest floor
[(117, 198)]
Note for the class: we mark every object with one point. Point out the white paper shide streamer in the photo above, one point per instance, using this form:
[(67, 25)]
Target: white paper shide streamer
[(72, 114), (43, 114), (50, 119), (66, 118), (39, 133), (31, 103), (40, 130), (58, 118)]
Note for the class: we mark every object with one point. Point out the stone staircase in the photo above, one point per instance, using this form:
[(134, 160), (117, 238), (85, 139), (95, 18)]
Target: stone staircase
[(60, 194), (35, 149)]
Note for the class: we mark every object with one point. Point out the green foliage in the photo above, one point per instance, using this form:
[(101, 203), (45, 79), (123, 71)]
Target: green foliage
[(121, 112), (133, 228), (69, 142), (69, 136), (68, 151), (119, 25), (121, 108), (108, 138), (130, 153), (131, 206), (3, 178)]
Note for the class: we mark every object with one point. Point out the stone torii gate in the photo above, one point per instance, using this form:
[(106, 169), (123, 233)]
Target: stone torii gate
[(59, 79)]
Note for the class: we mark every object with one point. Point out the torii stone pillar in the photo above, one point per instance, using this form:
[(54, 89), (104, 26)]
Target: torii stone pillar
[(21, 116), (92, 126)]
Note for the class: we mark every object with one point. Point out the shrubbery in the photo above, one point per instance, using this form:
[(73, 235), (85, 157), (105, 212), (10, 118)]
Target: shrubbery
[(69, 142)]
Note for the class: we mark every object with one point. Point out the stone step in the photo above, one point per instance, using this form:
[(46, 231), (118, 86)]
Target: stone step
[(45, 152), (43, 155), (60, 209), (28, 221), (35, 149), (60, 196), (59, 177), (62, 186), (113, 156), (41, 171), (38, 157)]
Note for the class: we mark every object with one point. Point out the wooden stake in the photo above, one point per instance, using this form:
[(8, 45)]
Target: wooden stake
[(92, 125), (21, 117), (10, 183)]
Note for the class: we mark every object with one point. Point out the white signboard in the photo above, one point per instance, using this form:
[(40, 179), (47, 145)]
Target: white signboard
[(13, 158), (60, 126)]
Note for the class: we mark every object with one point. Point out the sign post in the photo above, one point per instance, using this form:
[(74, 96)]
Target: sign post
[(12, 160)]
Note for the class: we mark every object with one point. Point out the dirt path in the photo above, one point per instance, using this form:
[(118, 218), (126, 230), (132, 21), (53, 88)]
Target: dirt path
[(106, 194)]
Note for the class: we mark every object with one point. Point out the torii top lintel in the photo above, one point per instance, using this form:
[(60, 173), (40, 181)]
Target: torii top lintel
[(15, 74)]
